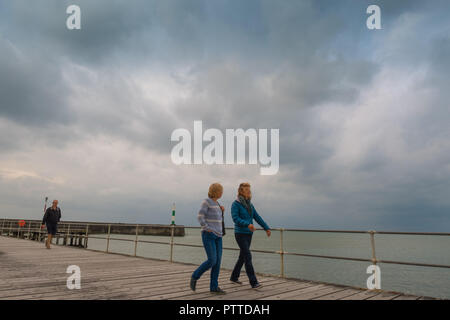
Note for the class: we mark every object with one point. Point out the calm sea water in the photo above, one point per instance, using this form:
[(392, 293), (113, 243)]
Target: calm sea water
[(427, 281)]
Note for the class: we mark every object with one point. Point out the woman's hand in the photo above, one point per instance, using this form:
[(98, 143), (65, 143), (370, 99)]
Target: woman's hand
[(252, 228), (268, 232), (222, 208)]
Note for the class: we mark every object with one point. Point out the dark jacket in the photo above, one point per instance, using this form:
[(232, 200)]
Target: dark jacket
[(242, 218), (52, 216)]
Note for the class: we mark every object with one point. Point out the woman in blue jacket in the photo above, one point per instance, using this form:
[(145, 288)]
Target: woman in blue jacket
[(243, 213)]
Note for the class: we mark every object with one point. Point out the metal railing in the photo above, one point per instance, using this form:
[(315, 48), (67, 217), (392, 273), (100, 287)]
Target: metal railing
[(83, 234)]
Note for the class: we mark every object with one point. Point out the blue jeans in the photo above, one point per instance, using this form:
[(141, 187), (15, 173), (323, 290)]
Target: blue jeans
[(213, 248), (245, 257)]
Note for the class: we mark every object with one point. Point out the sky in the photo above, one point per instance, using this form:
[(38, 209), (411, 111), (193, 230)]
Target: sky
[(86, 115)]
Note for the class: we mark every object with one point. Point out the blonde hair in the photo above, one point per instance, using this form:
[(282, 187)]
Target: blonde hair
[(241, 188), (215, 190)]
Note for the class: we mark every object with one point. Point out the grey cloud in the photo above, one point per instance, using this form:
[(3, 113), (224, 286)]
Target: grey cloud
[(31, 88)]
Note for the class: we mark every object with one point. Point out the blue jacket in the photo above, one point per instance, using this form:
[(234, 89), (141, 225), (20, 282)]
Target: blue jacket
[(242, 218)]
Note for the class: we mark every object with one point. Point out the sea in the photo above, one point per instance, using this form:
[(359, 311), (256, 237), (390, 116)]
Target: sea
[(416, 280)]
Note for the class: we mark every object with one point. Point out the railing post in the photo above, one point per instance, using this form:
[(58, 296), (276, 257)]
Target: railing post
[(281, 254), (372, 244), (10, 226), (86, 236), (3, 225), (109, 235), (29, 230), (67, 234), (172, 226), (136, 240)]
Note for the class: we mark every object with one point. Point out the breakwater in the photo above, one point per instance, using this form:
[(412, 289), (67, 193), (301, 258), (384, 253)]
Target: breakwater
[(15, 225)]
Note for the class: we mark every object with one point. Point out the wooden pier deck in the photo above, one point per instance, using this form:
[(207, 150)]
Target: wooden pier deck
[(29, 271)]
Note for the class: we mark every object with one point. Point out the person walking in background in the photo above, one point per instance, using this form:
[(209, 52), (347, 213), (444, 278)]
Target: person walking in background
[(51, 218), (210, 217), (243, 212)]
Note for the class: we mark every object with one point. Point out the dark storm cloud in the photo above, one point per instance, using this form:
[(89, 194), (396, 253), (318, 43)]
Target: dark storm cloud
[(187, 31), (286, 42), (112, 31), (289, 39), (31, 88)]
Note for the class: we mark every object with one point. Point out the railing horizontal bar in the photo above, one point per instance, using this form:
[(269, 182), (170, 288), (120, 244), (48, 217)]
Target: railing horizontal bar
[(105, 238), (121, 239), (94, 237), (327, 231), (326, 257), (415, 264), (38, 229), (191, 227), (157, 242), (201, 246), (191, 245), (414, 233), (376, 232)]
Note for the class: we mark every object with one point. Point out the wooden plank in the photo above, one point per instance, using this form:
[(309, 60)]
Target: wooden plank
[(230, 287), (160, 286), (406, 297), (184, 289), (290, 294), (338, 295), (178, 288), (266, 290), (426, 298), (118, 291), (318, 293), (385, 296), (363, 295)]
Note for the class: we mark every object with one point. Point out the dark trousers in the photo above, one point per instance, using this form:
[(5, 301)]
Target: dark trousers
[(245, 257), (52, 228)]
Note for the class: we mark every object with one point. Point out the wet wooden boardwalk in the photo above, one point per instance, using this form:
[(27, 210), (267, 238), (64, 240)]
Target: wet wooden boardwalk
[(29, 271)]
